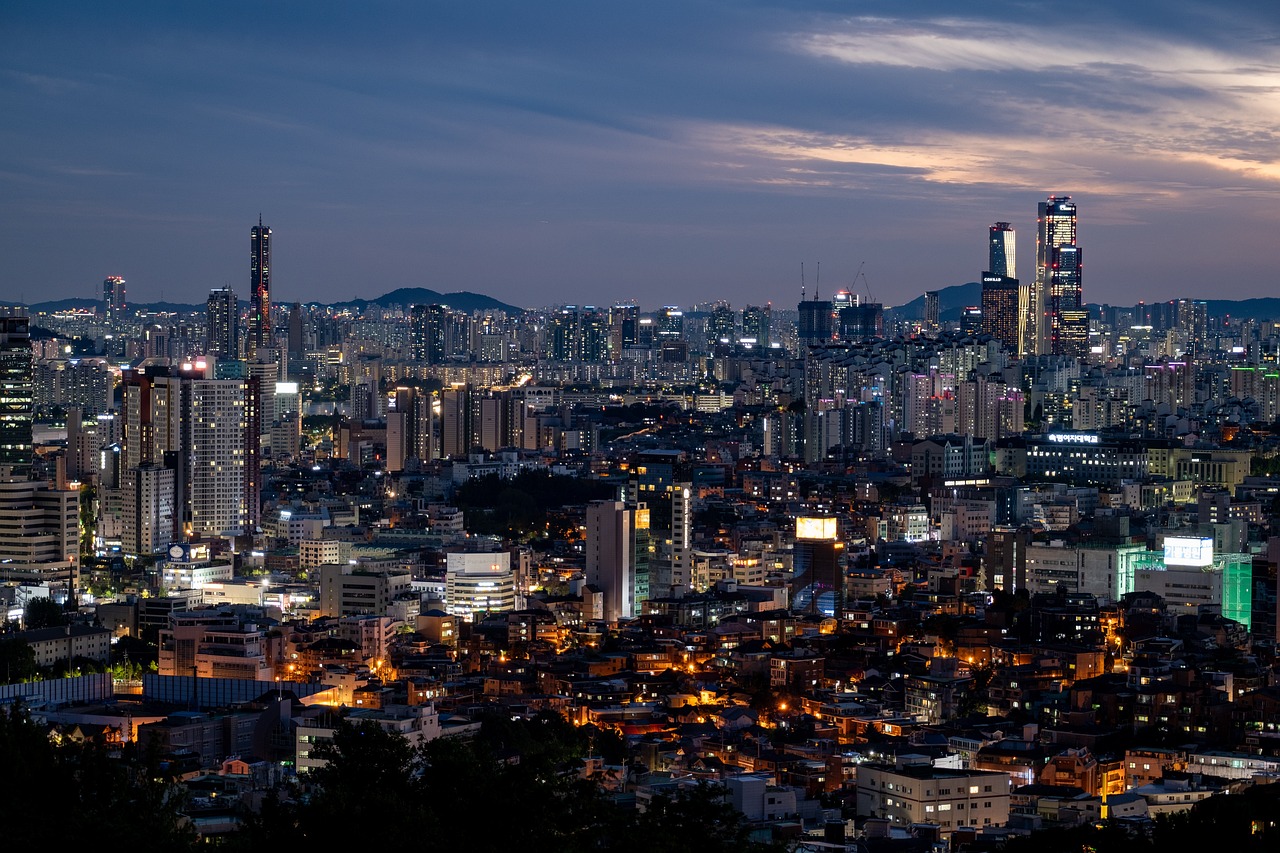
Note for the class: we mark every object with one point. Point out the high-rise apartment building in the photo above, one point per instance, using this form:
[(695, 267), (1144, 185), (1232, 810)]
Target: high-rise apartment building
[(618, 550), (931, 311), (17, 393), (222, 323), (410, 428), (427, 333), (295, 330), (113, 299), (455, 422), (623, 329), (755, 325), (610, 552), (260, 336), (720, 327), (197, 426)]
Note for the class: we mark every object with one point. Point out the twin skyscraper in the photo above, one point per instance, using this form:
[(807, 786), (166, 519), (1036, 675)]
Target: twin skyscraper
[(1045, 316)]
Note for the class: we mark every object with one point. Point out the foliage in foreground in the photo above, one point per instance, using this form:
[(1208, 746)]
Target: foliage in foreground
[(478, 796), (70, 796)]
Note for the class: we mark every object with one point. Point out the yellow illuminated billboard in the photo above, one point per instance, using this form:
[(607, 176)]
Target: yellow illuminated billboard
[(816, 528)]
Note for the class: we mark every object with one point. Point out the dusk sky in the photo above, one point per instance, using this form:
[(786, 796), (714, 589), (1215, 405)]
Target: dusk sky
[(587, 152)]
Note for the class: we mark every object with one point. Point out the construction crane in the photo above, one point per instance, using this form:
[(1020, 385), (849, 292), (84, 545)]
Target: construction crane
[(860, 274)]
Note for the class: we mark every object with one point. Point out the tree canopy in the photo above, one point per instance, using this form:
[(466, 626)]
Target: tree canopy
[(517, 785)]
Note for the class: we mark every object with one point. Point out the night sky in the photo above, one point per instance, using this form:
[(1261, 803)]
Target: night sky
[(553, 152)]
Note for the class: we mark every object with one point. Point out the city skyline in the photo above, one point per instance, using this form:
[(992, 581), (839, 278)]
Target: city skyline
[(555, 155)]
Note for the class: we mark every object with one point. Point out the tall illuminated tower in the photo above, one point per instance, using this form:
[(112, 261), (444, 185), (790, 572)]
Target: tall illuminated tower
[(222, 323), (1002, 295), (1002, 251), (260, 338), (113, 299), (1058, 274)]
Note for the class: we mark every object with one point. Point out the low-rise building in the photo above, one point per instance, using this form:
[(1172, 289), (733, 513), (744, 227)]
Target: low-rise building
[(913, 791)]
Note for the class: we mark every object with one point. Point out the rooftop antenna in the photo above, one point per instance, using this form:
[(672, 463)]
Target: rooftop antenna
[(817, 284), (802, 281)]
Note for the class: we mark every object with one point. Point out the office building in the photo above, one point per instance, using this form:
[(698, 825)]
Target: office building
[(818, 566), (1000, 317), (39, 529), (1058, 278), (479, 583), (222, 323), (914, 792), (1001, 252), (347, 590), (260, 333), (17, 393)]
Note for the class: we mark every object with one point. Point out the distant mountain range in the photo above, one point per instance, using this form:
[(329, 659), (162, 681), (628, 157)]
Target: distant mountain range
[(952, 300), (404, 297), (462, 300)]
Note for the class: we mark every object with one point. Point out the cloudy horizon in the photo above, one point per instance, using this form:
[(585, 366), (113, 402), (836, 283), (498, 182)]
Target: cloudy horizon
[(581, 152)]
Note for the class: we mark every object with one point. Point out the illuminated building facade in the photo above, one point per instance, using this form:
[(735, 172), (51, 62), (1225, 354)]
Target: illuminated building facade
[(1002, 254), (113, 299), (260, 337), (222, 323), (17, 394), (1059, 266), (1000, 309)]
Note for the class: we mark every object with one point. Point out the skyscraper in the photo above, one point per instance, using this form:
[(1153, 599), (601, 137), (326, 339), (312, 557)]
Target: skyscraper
[(17, 395), (815, 324), (260, 337), (113, 300), (1001, 293), (610, 552), (1002, 251), (755, 324), (222, 323), (623, 329), (200, 427), (426, 333), (1058, 278), (1000, 309), (931, 300), (295, 330)]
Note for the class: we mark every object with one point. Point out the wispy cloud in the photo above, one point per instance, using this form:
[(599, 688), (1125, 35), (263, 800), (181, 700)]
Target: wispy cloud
[(1111, 110)]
